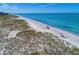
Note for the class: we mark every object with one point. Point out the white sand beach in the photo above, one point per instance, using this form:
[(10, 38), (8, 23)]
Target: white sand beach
[(64, 35)]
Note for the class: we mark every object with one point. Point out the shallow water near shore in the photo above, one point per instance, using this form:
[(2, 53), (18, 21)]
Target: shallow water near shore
[(66, 21)]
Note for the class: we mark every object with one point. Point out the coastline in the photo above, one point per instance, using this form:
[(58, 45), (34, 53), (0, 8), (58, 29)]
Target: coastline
[(64, 35)]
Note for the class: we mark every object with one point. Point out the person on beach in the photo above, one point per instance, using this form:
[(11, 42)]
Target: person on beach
[(62, 35), (47, 27)]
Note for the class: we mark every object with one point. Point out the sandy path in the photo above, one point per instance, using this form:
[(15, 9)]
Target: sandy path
[(12, 34)]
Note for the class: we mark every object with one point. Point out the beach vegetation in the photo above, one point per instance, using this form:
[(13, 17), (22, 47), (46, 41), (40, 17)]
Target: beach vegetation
[(29, 41), (35, 53)]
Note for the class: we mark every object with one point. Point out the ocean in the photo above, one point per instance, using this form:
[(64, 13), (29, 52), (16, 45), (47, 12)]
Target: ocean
[(65, 21)]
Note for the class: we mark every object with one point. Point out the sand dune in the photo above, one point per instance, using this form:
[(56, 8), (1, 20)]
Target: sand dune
[(64, 35)]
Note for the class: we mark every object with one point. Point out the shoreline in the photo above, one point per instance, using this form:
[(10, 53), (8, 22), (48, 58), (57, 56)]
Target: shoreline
[(62, 34)]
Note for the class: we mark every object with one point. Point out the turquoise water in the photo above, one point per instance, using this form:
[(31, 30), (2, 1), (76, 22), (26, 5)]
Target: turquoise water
[(66, 21)]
